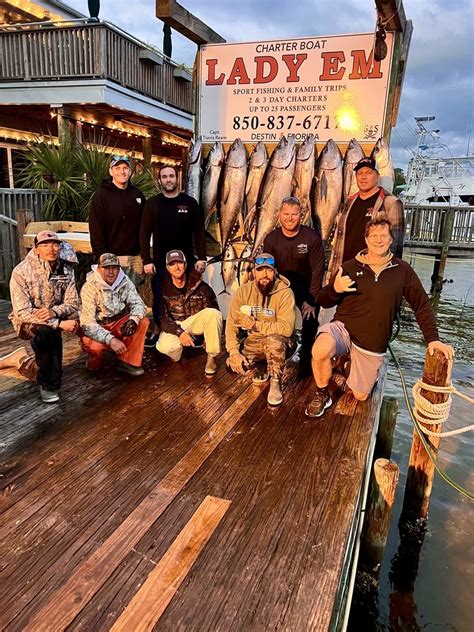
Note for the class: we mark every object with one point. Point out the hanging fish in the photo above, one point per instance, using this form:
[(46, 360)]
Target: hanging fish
[(257, 165), (354, 153), (210, 181), (233, 189), (245, 266), (383, 160), (193, 172), (328, 190), (304, 174), (276, 186), (228, 267)]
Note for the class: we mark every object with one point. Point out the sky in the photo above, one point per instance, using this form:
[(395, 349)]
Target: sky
[(439, 79)]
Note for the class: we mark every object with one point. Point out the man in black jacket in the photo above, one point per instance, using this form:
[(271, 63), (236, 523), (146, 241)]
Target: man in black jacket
[(187, 307), (299, 256), (115, 217), (368, 292)]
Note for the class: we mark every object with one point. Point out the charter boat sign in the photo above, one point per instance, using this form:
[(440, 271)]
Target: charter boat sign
[(330, 87)]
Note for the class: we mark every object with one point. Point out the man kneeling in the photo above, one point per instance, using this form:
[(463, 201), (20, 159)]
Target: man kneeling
[(187, 307), (265, 309), (368, 292), (113, 317)]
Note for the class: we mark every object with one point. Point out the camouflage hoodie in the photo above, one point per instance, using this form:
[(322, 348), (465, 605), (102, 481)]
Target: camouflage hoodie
[(102, 303), (34, 284)]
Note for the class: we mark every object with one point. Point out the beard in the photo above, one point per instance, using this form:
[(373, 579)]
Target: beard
[(265, 288)]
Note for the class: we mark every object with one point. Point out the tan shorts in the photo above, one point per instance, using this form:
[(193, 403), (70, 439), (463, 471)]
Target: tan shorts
[(364, 365)]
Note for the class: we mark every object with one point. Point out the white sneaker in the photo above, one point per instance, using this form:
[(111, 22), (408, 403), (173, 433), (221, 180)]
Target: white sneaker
[(49, 397), (275, 396)]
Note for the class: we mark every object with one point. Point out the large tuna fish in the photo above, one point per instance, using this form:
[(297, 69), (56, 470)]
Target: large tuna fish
[(233, 189), (328, 190), (228, 267), (383, 160), (304, 174), (193, 172), (244, 266), (276, 186), (257, 165), (353, 154), (210, 181)]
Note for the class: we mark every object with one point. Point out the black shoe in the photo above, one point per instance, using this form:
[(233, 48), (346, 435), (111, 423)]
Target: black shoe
[(130, 369), (318, 404), (151, 340), (198, 340)]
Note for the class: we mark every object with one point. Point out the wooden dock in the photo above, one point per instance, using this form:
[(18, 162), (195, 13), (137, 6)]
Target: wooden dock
[(176, 502)]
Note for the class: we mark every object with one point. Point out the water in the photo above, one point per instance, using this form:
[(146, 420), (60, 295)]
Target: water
[(441, 599)]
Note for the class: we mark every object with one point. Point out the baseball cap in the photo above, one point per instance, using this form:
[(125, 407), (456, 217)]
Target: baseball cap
[(366, 162), (116, 159), (265, 261), (108, 259), (175, 255), (46, 235)]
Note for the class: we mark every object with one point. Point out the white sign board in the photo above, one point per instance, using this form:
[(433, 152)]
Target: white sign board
[(326, 86)]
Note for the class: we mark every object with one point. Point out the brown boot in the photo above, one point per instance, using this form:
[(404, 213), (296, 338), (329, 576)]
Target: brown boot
[(211, 365), (13, 359)]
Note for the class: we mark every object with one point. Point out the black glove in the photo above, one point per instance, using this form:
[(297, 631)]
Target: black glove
[(129, 328)]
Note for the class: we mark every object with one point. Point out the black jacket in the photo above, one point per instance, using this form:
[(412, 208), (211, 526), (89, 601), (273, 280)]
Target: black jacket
[(114, 220), (369, 313), (177, 305)]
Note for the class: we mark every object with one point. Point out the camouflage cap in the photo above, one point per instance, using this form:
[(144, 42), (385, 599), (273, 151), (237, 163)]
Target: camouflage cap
[(265, 260), (108, 259), (45, 236)]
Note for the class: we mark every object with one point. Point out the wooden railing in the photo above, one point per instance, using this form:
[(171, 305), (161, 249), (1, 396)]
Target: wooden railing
[(425, 224), (90, 50)]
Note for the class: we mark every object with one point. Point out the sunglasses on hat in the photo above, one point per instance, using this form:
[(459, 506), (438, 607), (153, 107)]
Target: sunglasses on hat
[(265, 261)]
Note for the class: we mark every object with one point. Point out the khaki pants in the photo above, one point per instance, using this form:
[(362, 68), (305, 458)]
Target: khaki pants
[(274, 348), (208, 322)]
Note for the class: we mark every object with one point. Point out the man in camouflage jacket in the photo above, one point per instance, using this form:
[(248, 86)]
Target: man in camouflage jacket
[(45, 302), (112, 317)]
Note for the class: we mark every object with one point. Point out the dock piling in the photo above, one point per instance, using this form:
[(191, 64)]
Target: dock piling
[(387, 421)]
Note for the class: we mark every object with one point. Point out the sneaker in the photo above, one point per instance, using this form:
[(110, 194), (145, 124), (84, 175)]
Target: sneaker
[(198, 340), (13, 359), (130, 369), (211, 365), (151, 340), (275, 396), (318, 404), (49, 397), (260, 377)]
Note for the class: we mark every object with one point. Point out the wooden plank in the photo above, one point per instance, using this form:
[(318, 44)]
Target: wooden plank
[(61, 609), (186, 23), (145, 609)]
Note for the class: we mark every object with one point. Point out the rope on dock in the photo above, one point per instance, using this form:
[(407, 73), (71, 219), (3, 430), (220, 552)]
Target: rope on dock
[(431, 414)]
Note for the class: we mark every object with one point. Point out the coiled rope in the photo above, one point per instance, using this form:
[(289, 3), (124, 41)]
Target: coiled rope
[(432, 414)]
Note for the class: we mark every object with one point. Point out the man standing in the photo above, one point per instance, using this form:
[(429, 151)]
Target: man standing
[(370, 201), (265, 309), (45, 302), (187, 307), (115, 217), (112, 317), (368, 291), (299, 256)]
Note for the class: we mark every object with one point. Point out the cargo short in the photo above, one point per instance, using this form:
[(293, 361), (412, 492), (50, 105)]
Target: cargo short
[(365, 365)]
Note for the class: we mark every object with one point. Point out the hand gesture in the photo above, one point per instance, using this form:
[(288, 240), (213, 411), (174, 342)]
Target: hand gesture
[(308, 311), (117, 346), (237, 362), (186, 340), (129, 328), (445, 349), (343, 283)]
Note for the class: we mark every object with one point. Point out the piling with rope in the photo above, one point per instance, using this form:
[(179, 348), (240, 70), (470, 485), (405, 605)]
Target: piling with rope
[(421, 469)]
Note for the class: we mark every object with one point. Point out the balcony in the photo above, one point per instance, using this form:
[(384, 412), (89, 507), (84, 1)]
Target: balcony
[(89, 52)]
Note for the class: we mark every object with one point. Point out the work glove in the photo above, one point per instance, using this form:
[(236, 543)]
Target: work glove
[(129, 328)]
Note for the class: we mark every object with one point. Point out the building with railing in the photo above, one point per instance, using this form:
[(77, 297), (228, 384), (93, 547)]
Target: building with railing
[(60, 71)]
